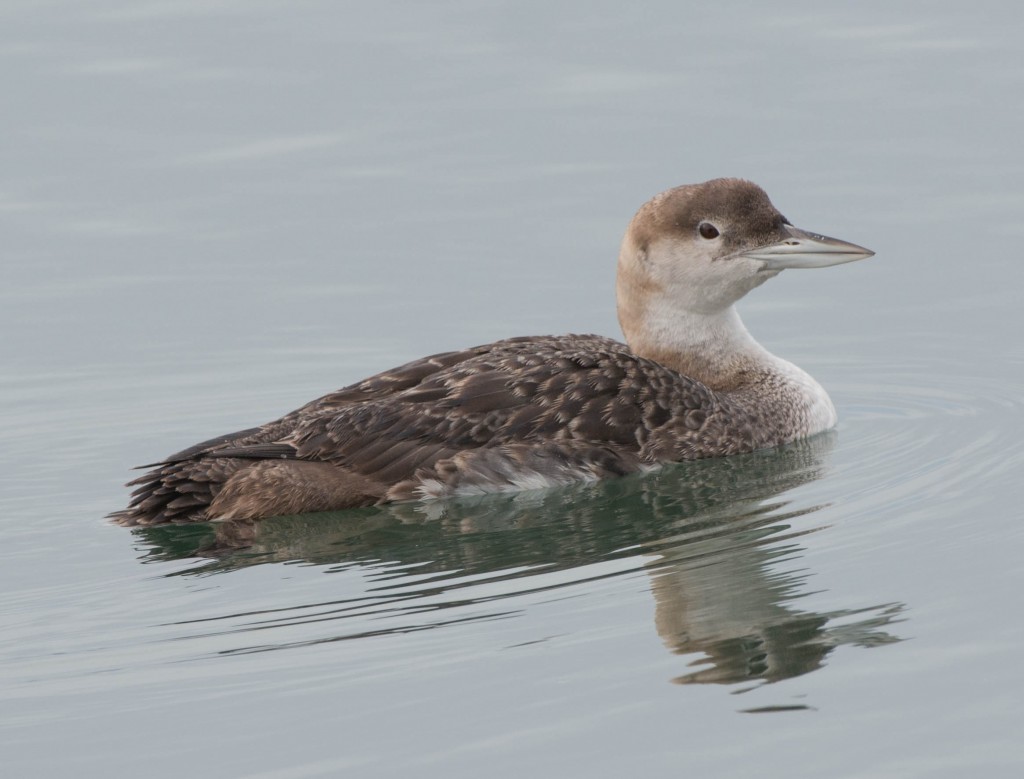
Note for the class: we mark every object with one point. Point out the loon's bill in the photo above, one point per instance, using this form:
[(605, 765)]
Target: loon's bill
[(802, 249)]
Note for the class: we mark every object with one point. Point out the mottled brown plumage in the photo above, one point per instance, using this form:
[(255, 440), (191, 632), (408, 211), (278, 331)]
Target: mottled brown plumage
[(535, 411)]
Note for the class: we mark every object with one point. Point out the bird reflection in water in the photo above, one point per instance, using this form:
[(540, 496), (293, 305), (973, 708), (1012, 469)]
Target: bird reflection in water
[(710, 534)]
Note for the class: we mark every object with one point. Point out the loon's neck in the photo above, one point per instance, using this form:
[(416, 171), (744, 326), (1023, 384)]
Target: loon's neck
[(717, 350)]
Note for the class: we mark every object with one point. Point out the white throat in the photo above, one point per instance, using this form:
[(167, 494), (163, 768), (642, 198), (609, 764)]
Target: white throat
[(717, 349)]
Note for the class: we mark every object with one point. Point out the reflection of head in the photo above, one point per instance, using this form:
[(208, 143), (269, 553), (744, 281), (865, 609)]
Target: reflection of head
[(720, 591), (777, 652)]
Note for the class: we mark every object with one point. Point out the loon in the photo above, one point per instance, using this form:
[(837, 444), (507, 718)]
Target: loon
[(534, 412)]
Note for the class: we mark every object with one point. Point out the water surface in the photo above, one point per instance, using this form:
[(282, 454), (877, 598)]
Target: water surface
[(214, 212)]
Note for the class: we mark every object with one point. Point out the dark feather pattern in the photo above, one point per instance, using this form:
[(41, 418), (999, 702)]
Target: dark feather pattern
[(512, 413)]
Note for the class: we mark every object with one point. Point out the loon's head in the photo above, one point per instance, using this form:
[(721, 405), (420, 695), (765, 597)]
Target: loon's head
[(693, 251), (701, 247)]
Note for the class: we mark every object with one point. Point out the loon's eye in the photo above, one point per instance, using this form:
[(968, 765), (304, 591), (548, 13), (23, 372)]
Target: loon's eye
[(707, 230)]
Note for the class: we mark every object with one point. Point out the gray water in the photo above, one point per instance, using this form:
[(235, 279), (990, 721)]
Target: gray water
[(214, 211)]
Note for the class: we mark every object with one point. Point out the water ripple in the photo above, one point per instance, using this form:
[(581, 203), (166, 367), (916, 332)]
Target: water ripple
[(918, 441)]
